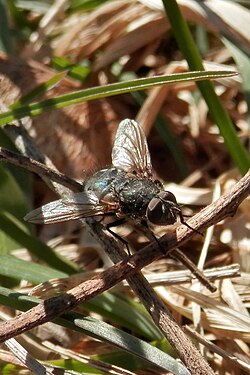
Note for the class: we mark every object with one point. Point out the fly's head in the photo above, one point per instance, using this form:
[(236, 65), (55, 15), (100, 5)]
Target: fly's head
[(163, 209)]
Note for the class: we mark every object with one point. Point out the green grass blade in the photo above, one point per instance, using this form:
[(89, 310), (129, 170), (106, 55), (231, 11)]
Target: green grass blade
[(26, 270), (108, 305), (125, 313), (17, 301), (130, 343), (21, 176), (39, 90), (11, 195), (243, 63), (12, 200), (218, 113), (79, 72), (14, 228), (106, 91), (85, 5), (101, 331), (5, 39)]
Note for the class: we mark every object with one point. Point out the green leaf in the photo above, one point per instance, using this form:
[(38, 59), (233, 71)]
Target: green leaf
[(102, 331), (13, 201), (111, 306), (243, 63), (127, 342), (218, 113), (11, 196), (126, 314), (5, 38), (17, 176), (85, 5), (39, 90), (76, 71), (106, 91), (26, 270), (16, 230)]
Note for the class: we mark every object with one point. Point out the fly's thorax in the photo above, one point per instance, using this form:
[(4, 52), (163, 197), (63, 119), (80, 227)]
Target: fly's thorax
[(101, 182), (134, 195)]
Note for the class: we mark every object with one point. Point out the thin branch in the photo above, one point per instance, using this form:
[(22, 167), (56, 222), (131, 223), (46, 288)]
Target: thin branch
[(126, 269), (178, 254), (39, 168), (44, 171), (51, 308), (25, 144), (235, 361), (169, 278)]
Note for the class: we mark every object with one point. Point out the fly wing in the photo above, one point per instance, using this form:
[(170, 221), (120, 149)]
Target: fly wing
[(79, 205), (130, 151)]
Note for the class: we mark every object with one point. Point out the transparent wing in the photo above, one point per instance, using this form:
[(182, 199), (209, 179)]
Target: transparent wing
[(130, 151), (79, 205)]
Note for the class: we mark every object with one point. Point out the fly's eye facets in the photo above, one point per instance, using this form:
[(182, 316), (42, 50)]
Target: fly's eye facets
[(154, 211), (162, 209), (167, 196)]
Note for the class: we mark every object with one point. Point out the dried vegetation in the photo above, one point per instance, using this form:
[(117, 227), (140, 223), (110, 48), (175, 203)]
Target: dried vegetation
[(121, 39)]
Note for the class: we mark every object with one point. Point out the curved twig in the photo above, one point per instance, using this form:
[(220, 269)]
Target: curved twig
[(127, 268)]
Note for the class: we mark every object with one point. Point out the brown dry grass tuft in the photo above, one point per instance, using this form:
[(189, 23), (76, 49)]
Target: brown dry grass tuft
[(134, 37)]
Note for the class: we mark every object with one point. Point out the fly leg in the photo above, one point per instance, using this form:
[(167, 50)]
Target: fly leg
[(178, 254), (150, 234), (181, 216), (116, 224)]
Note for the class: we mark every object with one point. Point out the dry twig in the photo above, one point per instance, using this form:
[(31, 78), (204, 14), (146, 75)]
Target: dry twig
[(39, 168), (235, 361), (129, 269)]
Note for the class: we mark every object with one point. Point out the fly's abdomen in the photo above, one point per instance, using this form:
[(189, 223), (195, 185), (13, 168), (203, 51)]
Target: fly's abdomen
[(101, 183)]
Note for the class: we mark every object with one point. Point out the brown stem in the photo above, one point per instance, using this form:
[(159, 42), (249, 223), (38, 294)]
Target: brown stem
[(51, 308), (38, 168), (129, 268)]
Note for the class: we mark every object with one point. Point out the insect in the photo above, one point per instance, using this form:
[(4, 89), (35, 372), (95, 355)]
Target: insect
[(125, 190)]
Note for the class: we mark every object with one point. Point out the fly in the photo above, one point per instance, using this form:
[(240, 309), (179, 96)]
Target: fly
[(126, 190)]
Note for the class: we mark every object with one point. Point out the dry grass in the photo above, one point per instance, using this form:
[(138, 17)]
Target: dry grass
[(135, 38)]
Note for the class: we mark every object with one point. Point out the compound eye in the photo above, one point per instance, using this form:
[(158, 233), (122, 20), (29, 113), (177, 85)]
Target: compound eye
[(167, 196), (155, 211), (161, 209)]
